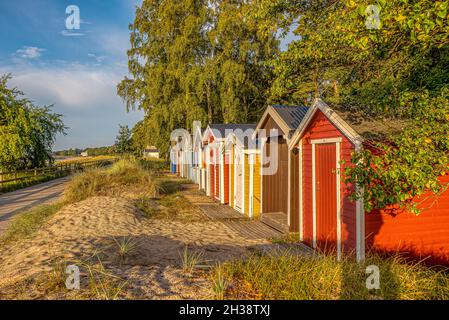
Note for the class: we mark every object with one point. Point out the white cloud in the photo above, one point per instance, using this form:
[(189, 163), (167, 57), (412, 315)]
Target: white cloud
[(29, 52), (71, 86), (86, 96), (67, 33), (97, 58)]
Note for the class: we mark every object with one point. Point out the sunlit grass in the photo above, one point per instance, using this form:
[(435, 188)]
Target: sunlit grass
[(123, 173), (29, 222), (287, 276)]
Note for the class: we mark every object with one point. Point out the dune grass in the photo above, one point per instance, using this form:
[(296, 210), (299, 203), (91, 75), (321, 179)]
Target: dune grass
[(291, 277), (156, 165), (123, 173), (29, 222), (97, 181)]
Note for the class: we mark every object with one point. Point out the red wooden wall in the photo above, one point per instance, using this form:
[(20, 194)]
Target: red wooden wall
[(212, 169), (394, 230), (390, 230)]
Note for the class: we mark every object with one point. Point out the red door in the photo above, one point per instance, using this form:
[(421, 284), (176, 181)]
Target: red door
[(226, 179), (217, 177), (326, 196), (212, 174)]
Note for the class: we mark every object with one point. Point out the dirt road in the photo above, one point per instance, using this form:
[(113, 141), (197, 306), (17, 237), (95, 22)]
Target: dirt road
[(12, 203)]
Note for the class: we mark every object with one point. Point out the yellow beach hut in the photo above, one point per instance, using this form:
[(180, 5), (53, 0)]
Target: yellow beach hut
[(244, 172)]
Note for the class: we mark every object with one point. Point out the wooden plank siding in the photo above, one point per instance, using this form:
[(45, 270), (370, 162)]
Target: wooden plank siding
[(231, 179), (226, 179), (294, 190), (392, 230), (257, 187), (246, 183), (275, 187)]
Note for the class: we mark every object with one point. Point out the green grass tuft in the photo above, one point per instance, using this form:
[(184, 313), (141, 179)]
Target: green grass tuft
[(29, 222), (123, 173), (292, 277)]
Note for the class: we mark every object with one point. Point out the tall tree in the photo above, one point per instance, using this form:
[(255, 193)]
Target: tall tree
[(123, 142), (27, 132), (195, 60)]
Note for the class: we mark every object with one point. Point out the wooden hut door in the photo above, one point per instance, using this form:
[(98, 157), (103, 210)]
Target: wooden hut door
[(226, 179), (238, 181), (326, 196), (212, 174), (217, 175)]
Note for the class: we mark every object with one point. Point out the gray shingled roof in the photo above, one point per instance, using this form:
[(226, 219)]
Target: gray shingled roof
[(292, 115), (221, 129)]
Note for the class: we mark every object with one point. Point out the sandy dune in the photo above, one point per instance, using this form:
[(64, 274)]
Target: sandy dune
[(153, 270)]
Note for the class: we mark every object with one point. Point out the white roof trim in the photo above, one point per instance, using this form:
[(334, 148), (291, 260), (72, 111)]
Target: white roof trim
[(197, 138), (210, 132), (233, 139), (333, 117), (270, 111)]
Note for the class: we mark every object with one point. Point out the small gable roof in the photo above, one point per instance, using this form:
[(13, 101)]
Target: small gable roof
[(220, 130), (287, 117), (333, 117), (356, 126), (244, 138)]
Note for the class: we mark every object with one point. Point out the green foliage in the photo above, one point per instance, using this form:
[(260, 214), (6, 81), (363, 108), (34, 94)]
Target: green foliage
[(195, 60), (27, 132), (397, 71), (394, 174), (123, 142)]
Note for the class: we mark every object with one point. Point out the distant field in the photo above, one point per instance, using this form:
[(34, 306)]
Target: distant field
[(11, 181), (81, 159)]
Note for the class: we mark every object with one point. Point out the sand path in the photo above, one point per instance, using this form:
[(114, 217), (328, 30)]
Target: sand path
[(153, 270)]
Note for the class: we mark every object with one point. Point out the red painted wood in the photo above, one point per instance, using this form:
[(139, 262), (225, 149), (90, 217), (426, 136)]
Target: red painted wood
[(211, 169), (326, 196), (320, 128), (212, 174), (226, 179), (217, 176), (212, 180), (427, 235), (390, 230)]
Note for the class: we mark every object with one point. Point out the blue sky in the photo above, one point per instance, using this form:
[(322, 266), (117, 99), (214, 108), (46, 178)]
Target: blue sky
[(75, 70), (76, 73)]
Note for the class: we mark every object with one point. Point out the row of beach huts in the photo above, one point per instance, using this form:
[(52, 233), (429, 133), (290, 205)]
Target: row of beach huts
[(288, 171)]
